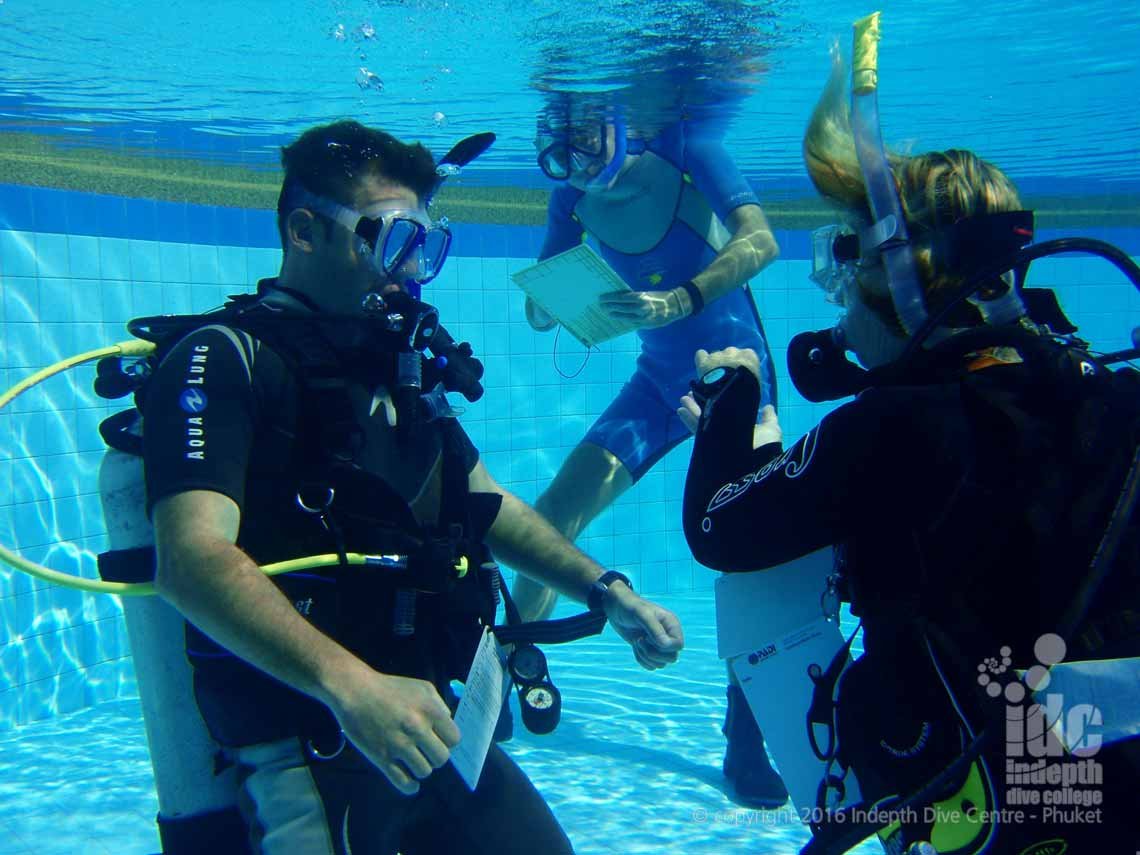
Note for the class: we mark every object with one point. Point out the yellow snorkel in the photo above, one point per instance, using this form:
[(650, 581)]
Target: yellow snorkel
[(888, 233), (136, 348)]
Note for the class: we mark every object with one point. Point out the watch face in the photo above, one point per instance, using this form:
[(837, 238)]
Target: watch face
[(527, 664), (539, 697)]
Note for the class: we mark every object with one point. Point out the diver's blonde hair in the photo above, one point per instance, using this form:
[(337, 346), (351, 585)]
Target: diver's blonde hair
[(936, 189)]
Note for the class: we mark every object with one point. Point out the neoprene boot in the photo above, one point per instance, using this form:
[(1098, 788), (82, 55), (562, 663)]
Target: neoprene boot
[(754, 782)]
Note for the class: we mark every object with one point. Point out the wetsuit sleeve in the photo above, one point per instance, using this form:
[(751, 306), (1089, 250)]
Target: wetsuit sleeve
[(873, 462), (715, 175), (562, 231), (199, 416)]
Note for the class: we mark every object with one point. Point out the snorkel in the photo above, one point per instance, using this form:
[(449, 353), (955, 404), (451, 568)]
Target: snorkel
[(887, 234), (603, 179)]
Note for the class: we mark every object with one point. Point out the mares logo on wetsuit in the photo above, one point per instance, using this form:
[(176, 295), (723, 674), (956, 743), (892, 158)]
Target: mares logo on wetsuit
[(193, 402), (793, 462)]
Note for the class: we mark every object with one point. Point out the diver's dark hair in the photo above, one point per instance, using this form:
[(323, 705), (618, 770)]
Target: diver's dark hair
[(328, 160)]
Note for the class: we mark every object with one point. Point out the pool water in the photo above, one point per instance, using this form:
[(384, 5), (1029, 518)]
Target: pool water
[(634, 765), (138, 157)]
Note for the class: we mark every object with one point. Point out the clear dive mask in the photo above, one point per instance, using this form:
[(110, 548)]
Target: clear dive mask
[(834, 261), (403, 245), (585, 154), (563, 153)]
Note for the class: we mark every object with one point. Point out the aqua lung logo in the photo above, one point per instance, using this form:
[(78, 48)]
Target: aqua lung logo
[(193, 402)]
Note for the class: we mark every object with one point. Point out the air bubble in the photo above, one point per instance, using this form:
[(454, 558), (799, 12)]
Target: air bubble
[(366, 79)]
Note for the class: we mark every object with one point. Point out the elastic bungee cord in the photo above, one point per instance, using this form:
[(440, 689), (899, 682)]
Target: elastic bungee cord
[(136, 348)]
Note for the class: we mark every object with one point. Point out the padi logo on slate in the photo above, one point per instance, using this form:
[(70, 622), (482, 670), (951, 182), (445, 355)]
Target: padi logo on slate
[(192, 401), (761, 654)]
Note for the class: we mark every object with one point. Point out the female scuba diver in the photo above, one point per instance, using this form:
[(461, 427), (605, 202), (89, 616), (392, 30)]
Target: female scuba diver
[(980, 493)]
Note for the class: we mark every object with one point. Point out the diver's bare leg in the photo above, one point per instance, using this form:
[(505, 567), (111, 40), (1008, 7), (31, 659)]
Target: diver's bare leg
[(589, 481)]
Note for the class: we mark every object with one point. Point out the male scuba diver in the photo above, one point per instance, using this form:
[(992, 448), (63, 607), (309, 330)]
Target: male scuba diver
[(308, 419), (677, 221), (981, 495)]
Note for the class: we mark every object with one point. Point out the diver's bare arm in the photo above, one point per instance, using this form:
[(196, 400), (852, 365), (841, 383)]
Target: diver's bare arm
[(219, 589), (751, 249), (522, 538)]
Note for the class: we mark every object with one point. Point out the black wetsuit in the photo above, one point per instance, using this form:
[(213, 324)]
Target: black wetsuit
[(224, 413), (932, 496)]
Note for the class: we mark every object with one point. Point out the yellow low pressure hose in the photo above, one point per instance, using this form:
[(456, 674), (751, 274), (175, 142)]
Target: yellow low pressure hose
[(136, 348)]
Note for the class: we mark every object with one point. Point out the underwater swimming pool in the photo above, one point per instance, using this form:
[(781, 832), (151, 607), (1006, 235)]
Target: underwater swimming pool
[(137, 176)]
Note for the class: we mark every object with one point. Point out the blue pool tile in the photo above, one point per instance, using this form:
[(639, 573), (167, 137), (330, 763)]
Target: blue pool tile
[(495, 307), (496, 338), (56, 303), (523, 373), (471, 305), (202, 224), (170, 222), (468, 275), (83, 214), (203, 263), (262, 229), (146, 298), (115, 258), (523, 465), (176, 298), (18, 253), (146, 263), (52, 255), (83, 256), (49, 210), (116, 301), (141, 219), (174, 262), (21, 299), (16, 207), (498, 436), (521, 403), (232, 266), (231, 226), (25, 350)]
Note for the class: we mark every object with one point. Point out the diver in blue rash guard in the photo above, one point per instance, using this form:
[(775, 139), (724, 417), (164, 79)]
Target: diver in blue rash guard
[(682, 227)]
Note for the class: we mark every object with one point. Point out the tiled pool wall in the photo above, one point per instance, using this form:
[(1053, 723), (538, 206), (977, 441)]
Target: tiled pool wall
[(74, 267)]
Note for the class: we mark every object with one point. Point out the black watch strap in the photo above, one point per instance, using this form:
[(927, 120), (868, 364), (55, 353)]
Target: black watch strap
[(695, 296), (595, 599)]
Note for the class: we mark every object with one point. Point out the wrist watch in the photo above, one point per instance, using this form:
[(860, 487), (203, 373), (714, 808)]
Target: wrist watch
[(596, 597)]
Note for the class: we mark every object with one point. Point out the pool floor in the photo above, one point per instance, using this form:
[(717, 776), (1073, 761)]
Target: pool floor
[(633, 767)]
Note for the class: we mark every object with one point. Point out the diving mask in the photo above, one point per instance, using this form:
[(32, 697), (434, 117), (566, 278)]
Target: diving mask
[(834, 259), (402, 245), (586, 154), (563, 153)]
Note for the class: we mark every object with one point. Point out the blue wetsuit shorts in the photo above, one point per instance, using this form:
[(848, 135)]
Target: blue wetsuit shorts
[(641, 425)]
